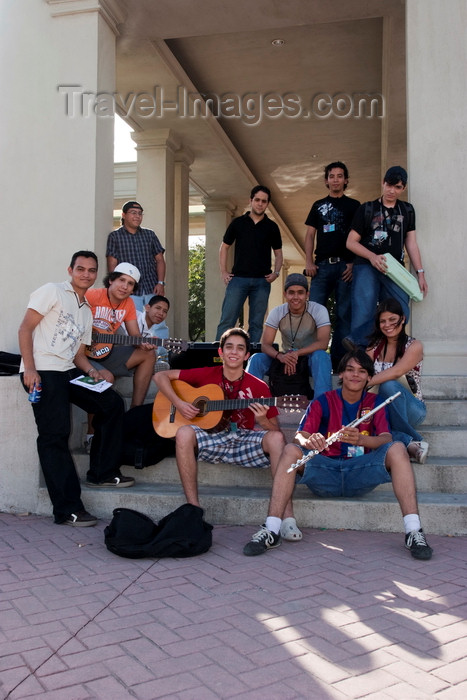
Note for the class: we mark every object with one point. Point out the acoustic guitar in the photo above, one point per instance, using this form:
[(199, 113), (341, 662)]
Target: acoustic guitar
[(103, 342), (211, 404)]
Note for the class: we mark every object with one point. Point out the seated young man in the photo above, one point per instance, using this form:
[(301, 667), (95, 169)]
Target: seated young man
[(234, 439), (305, 331), (364, 457), (152, 322), (111, 307)]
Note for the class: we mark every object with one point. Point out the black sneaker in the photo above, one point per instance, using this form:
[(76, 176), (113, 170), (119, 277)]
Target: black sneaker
[(261, 541), (81, 519), (419, 547), (117, 482)]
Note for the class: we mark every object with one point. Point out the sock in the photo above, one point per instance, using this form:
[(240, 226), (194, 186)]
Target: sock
[(273, 524), (411, 523)]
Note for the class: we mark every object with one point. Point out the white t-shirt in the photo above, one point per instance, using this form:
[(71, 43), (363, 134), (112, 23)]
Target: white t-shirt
[(67, 323), (298, 330)]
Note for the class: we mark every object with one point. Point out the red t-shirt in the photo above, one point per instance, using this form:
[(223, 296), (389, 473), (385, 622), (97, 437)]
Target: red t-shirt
[(248, 387), (106, 317)]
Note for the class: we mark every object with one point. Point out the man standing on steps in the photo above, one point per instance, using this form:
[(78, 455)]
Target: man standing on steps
[(234, 439), (363, 457), (328, 223), (255, 236), (52, 339)]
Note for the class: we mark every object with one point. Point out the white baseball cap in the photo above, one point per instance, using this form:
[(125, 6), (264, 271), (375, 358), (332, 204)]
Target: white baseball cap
[(128, 269)]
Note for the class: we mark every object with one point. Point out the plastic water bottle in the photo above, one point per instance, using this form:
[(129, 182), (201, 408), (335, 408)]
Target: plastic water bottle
[(35, 393)]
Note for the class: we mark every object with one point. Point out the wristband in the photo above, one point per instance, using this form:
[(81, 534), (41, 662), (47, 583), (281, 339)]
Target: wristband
[(420, 270), (277, 354), (161, 282)]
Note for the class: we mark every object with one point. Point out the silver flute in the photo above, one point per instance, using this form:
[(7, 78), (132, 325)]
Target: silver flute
[(337, 436)]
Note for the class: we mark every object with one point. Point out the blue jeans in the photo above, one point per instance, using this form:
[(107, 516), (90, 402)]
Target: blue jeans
[(331, 477), (406, 411), (319, 364), (369, 286), (239, 289), (140, 302), (328, 279)]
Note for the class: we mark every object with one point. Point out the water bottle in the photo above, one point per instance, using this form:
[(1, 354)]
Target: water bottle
[(35, 393)]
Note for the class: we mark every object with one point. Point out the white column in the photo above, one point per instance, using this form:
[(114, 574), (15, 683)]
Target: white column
[(56, 141), (155, 171), (437, 163), (218, 216), (183, 160)]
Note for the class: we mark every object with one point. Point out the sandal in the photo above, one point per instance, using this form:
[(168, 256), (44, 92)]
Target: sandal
[(290, 531)]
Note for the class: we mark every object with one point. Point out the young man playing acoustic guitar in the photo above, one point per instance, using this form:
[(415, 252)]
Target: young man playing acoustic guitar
[(358, 459), (111, 307), (234, 438)]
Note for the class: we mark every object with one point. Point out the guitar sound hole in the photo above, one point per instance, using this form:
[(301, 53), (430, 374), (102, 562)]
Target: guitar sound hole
[(200, 404)]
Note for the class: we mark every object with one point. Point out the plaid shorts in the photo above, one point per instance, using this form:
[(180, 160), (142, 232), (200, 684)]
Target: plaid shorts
[(243, 447)]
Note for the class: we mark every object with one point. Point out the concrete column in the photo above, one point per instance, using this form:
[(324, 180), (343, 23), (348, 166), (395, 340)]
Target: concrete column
[(56, 141), (155, 172), (437, 158), (183, 160), (219, 214)]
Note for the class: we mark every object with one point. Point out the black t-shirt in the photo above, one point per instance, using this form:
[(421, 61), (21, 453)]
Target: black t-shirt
[(332, 217), (383, 229), (253, 245)]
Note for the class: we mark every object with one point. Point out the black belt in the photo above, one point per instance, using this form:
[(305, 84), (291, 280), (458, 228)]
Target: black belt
[(331, 261)]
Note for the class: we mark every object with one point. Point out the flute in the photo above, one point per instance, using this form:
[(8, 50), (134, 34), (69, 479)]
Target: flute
[(337, 436)]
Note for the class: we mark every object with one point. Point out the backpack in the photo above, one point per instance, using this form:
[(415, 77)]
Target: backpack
[(282, 384), (142, 446), (182, 533)]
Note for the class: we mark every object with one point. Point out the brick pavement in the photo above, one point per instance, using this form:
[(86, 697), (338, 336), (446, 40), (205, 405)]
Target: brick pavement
[(341, 615)]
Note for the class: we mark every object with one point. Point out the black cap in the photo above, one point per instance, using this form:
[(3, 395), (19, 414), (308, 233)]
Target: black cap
[(131, 205), (395, 175)]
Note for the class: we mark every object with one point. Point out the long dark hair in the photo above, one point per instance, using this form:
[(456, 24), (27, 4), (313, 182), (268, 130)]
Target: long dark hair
[(378, 339)]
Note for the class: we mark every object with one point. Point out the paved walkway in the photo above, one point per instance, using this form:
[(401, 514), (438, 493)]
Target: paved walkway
[(340, 615)]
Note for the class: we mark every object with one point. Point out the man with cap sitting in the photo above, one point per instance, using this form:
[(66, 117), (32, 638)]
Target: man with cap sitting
[(386, 225), (305, 331), (140, 247), (111, 307)]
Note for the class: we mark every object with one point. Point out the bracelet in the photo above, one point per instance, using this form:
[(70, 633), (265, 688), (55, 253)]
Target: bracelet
[(277, 273), (277, 354), (93, 369), (161, 282), (420, 270)]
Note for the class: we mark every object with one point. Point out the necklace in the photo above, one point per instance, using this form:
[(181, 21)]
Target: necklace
[(292, 334), (229, 387), (113, 308)]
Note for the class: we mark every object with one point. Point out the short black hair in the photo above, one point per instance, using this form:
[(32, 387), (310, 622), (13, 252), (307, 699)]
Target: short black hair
[(260, 188), (83, 254), (359, 356), (158, 297), (235, 331)]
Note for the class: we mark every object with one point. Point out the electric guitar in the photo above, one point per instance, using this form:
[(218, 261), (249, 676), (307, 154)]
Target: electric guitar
[(211, 404), (103, 342)]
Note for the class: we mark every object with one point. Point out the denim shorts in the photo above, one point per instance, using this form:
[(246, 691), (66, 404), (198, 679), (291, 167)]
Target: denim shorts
[(243, 447), (330, 477)]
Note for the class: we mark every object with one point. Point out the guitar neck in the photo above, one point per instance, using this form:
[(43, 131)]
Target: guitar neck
[(126, 339), (232, 404)]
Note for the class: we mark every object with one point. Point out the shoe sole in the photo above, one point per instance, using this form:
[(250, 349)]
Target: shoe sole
[(121, 485), (90, 523)]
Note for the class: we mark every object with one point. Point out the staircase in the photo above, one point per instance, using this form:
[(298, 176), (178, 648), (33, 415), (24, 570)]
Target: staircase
[(236, 495)]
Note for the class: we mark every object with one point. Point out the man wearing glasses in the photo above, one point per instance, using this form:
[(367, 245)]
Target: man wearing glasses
[(141, 247)]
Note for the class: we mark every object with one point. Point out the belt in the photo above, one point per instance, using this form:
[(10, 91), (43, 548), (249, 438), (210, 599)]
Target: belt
[(331, 261)]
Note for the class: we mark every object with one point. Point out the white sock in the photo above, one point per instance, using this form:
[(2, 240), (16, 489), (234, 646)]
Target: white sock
[(411, 523), (273, 524)]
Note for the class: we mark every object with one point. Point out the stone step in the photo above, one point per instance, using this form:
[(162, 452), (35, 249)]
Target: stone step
[(444, 387), (437, 475), (446, 412), (441, 514)]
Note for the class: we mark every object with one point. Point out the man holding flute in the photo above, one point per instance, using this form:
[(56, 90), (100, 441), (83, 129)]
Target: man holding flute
[(353, 460)]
